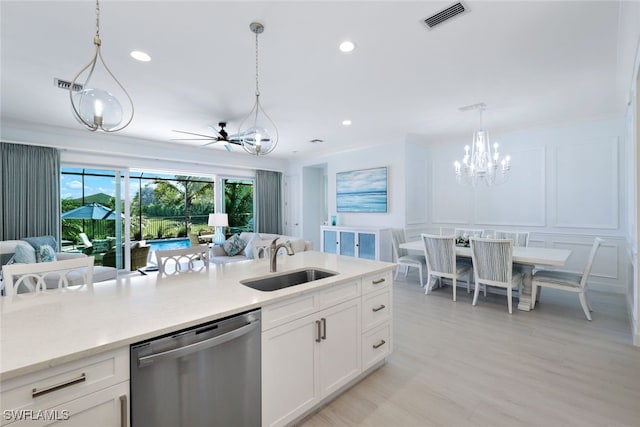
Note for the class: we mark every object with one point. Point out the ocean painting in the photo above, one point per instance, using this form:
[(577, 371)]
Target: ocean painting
[(362, 190)]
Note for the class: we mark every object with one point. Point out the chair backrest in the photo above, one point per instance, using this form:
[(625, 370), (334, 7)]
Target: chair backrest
[(592, 255), (468, 232), (85, 240), (261, 248), (440, 252), (193, 239), (398, 237), (492, 261), (41, 276), (182, 260), (520, 238)]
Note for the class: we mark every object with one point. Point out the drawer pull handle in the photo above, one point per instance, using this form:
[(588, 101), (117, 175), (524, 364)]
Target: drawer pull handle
[(35, 392), (378, 308), (377, 282), (318, 331), (380, 344), (123, 410), (324, 328)]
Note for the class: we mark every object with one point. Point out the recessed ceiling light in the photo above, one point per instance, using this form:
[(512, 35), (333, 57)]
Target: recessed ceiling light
[(316, 141), (347, 46), (346, 123), (140, 56)]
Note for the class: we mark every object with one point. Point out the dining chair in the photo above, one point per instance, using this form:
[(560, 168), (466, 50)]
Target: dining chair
[(440, 254), (402, 256), (40, 277), (175, 261), (567, 281), (493, 266), (520, 238)]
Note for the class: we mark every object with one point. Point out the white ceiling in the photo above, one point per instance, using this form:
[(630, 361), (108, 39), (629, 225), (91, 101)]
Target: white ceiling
[(534, 63)]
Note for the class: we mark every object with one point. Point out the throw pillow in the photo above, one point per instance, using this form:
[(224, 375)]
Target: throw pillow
[(25, 254), (248, 250), (46, 254), (233, 245), (36, 242)]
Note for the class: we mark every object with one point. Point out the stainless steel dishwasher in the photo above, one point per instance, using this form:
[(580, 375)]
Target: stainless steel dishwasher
[(204, 376)]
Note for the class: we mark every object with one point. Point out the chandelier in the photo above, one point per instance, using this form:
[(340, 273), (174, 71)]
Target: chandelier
[(96, 108), (481, 161), (254, 133)]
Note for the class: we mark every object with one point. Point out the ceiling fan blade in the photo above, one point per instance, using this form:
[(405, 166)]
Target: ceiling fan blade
[(228, 147), (209, 143), (192, 139), (196, 134)]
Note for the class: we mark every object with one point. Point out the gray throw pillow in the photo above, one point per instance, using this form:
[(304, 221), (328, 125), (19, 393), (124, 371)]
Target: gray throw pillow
[(25, 254), (233, 245)]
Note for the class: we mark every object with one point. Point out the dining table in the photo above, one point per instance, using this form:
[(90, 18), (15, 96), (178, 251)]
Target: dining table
[(525, 257)]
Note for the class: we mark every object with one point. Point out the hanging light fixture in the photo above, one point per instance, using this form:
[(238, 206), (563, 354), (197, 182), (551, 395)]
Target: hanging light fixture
[(96, 108), (254, 133), (481, 161)]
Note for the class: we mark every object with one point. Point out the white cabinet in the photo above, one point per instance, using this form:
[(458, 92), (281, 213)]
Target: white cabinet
[(360, 242), (91, 391), (306, 359), (377, 316), (316, 344)]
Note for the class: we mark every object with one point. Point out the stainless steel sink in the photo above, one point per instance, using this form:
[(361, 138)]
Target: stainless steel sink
[(292, 278)]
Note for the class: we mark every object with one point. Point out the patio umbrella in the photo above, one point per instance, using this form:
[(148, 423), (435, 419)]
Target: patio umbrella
[(92, 211)]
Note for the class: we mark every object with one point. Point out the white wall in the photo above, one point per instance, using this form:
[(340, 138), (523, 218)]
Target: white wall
[(391, 155), (567, 185)]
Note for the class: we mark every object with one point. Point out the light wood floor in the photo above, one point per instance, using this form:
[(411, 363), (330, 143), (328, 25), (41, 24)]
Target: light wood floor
[(458, 365)]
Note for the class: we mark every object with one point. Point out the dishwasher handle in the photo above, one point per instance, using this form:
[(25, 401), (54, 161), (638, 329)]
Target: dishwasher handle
[(192, 348)]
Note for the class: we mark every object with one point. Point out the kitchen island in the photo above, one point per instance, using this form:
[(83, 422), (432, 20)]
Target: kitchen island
[(48, 331)]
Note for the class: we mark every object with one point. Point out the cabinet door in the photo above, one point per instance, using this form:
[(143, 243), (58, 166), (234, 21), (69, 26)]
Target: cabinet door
[(329, 241), (367, 245), (289, 374), (105, 408), (348, 243), (340, 347)]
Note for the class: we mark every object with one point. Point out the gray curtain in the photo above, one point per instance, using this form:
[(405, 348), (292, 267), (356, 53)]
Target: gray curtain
[(268, 190), (29, 191)]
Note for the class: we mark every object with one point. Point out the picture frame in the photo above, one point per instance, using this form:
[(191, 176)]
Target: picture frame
[(363, 190)]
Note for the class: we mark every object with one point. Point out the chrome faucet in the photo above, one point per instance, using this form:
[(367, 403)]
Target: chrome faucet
[(274, 251)]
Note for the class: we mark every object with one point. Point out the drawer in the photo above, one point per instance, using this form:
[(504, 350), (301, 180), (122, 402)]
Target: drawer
[(376, 345), (338, 294), (291, 309), (66, 382), (376, 282), (376, 309)]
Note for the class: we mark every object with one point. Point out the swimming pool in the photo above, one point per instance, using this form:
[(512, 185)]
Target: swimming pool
[(165, 244)]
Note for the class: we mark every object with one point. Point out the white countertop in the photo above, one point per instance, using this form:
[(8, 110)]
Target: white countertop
[(40, 331)]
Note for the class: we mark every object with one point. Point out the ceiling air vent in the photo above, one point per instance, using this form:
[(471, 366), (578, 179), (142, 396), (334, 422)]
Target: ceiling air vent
[(63, 84), (444, 15)]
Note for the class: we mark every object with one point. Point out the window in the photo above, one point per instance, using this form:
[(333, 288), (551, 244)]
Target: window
[(238, 204)]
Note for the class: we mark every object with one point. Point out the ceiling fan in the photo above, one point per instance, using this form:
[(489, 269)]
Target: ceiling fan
[(218, 136)]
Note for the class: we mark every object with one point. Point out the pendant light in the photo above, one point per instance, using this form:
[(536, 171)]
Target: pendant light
[(96, 108), (258, 133)]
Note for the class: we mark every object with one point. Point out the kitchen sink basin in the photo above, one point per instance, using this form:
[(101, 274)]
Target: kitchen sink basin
[(292, 278)]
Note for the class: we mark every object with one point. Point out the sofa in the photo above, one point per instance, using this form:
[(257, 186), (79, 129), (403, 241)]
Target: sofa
[(139, 256), (29, 248), (220, 256)]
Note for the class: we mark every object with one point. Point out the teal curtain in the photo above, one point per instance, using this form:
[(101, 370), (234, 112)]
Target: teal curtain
[(29, 191), (268, 193)]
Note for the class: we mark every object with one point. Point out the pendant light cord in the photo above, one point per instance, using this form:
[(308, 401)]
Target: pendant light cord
[(257, 88)]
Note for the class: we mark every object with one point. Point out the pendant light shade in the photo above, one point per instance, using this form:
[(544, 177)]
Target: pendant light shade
[(258, 133), (96, 108)]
